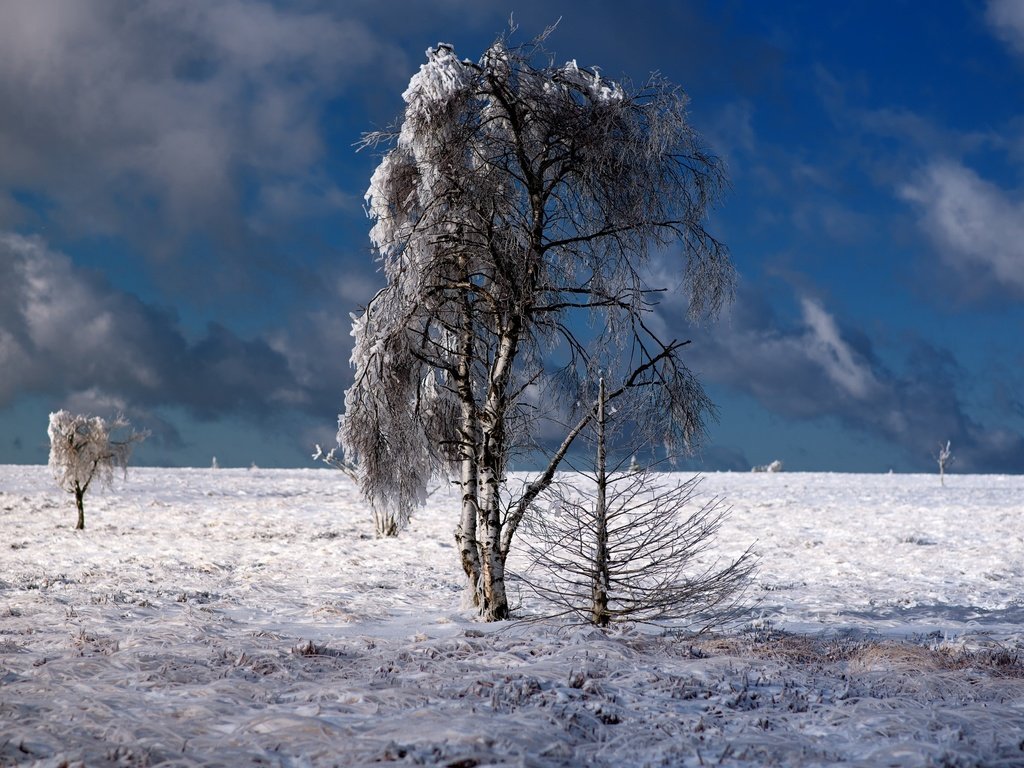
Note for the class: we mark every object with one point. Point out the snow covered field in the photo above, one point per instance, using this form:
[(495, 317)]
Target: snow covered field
[(237, 617)]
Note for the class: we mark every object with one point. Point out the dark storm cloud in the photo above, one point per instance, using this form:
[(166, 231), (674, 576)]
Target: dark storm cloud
[(66, 333), (159, 119), (815, 368)]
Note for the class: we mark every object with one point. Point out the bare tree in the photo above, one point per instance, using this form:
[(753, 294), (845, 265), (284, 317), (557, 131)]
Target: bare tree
[(514, 195), (944, 457), (627, 549), (86, 448)]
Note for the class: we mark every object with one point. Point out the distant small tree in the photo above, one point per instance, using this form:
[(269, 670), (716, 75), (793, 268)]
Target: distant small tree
[(628, 549), (84, 448), (944, 457)]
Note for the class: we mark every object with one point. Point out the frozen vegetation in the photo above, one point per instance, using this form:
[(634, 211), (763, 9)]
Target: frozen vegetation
[(237, 617), (514, 197)]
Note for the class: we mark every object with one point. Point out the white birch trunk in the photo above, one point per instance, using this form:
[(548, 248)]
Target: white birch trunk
[(599, 612), (492, 468), (466, 531)]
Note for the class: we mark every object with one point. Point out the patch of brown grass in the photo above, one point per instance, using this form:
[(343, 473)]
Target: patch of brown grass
[(864, 654)]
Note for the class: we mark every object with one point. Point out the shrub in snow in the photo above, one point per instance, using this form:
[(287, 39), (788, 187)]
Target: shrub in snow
[(332, 459), (775, 466), (515, 194), (627, 548), (640, 555), (87, 448)]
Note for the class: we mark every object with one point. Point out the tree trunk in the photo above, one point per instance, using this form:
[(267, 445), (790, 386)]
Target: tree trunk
[(599, 614), (80, 503), (495, 601), (494, 453), (466, 531)]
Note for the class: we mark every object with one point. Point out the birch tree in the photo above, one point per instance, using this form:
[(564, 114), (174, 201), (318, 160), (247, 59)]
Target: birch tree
[(515, 199), (88, 448)]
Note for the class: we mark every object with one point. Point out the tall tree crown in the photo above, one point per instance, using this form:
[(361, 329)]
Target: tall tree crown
[(513, 193)]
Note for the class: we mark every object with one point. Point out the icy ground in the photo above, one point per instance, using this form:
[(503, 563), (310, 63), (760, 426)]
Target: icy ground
[(232, 617)]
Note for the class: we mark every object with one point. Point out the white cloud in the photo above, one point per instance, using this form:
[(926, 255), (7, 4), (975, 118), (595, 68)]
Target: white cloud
[(826, 347), (1006, 17), (113, 109), (816, 369), (973, 223)]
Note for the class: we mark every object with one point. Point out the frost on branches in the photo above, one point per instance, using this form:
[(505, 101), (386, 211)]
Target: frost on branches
[(87, 448), (944, 457), (514, 195)]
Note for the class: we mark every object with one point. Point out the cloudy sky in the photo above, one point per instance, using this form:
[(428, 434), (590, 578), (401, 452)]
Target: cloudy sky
[(182, 235)]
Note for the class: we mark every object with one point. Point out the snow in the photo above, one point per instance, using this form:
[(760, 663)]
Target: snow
[(241, 617), (442, 78)]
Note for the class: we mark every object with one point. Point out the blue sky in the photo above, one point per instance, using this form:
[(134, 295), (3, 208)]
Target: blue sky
[(182, 235)]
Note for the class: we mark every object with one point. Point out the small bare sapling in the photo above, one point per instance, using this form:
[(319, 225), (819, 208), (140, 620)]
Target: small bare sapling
[(632, 545), (944, 457)]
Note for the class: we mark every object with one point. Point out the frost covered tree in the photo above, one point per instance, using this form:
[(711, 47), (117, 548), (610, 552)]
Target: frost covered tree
[(944, 458), (516, 199), (87, 448)]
